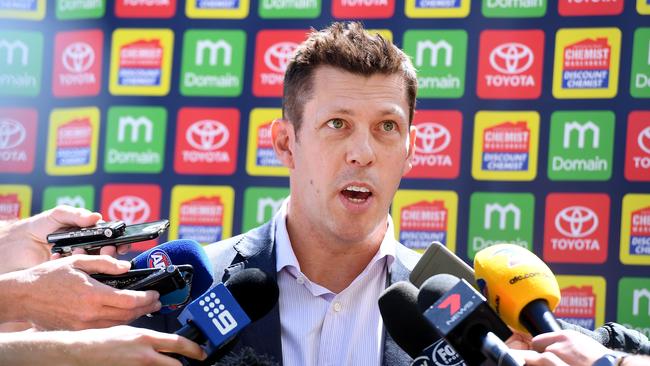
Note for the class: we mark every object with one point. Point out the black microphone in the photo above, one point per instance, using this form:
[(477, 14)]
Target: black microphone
[(462, 316), (215, 318), (411, 330)]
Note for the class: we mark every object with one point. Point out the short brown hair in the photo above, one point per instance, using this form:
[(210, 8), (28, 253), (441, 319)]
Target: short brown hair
[(349, 47)]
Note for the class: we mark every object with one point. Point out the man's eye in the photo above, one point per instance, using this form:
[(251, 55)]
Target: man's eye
[(388, 125), (335, 123)]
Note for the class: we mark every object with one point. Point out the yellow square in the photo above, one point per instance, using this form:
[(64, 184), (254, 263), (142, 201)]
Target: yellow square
[(635, 229), (146, 55), (643, 7), (201, 9), (440, 200), (13, 195), (72, 141), (36, 14), (496, 162), (588, 57), (433, 9), (259, 150), (581, 287), (184, 193)]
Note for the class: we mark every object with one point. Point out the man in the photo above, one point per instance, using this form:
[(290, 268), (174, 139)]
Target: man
[(347, 139)]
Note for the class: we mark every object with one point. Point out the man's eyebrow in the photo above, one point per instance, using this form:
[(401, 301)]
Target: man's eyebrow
[(381, 112)]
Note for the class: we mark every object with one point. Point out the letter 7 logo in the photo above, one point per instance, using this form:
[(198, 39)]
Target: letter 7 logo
[(452, 302)]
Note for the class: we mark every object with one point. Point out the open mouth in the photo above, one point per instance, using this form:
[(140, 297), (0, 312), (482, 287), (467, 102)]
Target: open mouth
[(356, 194)]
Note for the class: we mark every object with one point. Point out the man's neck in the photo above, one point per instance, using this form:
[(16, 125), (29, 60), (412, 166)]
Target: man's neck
[(331, 264)]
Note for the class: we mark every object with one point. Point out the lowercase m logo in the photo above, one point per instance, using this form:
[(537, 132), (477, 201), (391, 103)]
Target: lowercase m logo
[(134, 125), (502, 212)]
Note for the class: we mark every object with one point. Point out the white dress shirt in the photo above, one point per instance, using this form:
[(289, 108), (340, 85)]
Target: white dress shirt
[(321, 328)]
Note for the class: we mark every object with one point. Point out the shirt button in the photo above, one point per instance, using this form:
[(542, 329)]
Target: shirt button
[(300, 280), (337, 306)]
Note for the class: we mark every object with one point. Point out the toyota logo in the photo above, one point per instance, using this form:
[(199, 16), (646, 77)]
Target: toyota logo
[(277, 57), (78, 57), (207, 135), (431, 138), (643, 140), (130, 209), (12, 133), (511, 58), (576, 221)]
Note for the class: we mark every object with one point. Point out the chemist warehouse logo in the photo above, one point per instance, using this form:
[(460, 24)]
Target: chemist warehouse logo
[(510, 64), (586, 61), (576, 228), (578, 306), (273, 51), (423, 222), (206, 141), (437, 144), (201, 219), (640, 232), (505, 147)]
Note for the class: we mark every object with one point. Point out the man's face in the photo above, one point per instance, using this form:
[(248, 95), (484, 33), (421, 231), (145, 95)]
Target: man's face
[(349, 155)]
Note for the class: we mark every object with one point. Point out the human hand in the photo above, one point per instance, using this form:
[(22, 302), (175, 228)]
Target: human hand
[(571, 347), (60, 294)]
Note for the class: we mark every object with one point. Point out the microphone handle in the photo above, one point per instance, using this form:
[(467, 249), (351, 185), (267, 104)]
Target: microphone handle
[(538, 318), (493, 348)]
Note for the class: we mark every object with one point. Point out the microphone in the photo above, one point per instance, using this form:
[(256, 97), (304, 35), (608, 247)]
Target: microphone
[(410, 329), (178, 252), (217, 316), (246, 357), (519, 286), (438, 259), (462, 316)]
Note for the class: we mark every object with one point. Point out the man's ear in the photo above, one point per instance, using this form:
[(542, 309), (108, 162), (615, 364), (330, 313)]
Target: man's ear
[(283, 136), (411, 151)]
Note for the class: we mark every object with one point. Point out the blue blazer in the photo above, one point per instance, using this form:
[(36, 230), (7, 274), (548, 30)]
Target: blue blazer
[(256, 249)]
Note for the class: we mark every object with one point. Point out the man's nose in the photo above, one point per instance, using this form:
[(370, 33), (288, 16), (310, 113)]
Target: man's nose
[(360, 149)]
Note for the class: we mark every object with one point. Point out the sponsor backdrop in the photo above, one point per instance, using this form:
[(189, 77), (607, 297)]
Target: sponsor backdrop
[(533, 124)]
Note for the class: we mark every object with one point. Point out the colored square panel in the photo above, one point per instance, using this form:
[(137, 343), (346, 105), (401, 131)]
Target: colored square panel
[(633, 303), (201, 213), (586, 63), (582, 300), (505, 145), (640, 75), (15, 201), (261, 204), (217, 9), (420, 217), (637, 147), (643, 7), (23, 9), (437, 8), (273, 51), (75, 196), (22, 64), (590, 7), (581, 145), (145, 8), (18, 142), (437, 144), (514, 9), (141, 62), (80, 9), (77, 63), (272, 9), (72, 141), (363, 9), (635, 229), (576, 228), (260, 156)]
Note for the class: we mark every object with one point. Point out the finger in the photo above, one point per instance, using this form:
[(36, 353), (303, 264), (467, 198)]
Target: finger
[(172, 343), (55, 256), (123, 249), (78, 251), (109, 250), (532, 358), (112, 316), (544, 340), (100, 264), (129, 299), (74, 216)]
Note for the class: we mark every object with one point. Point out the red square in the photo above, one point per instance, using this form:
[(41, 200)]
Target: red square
[(18, 128), (206, 141), (133, 204), (437, 144), (637, 147), (77, 63), (576, 228), (273, 51), (590, 7), (510, 64), (363, 9), (145, 8)]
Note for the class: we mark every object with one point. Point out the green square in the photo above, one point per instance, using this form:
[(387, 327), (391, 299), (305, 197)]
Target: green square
[(21, 63), (80, 9), (135, 140), (440, 57), (514, 9), (640, 80), (633, 310), (75, 196), (273, 9), (213, 63), (260, 204), (581, 145), (496, 218)]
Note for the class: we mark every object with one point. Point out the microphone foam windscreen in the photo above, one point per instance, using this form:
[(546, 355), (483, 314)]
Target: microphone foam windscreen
[(255, 291), (433, 289), (179, 252), (404, 320), (511, 277)]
